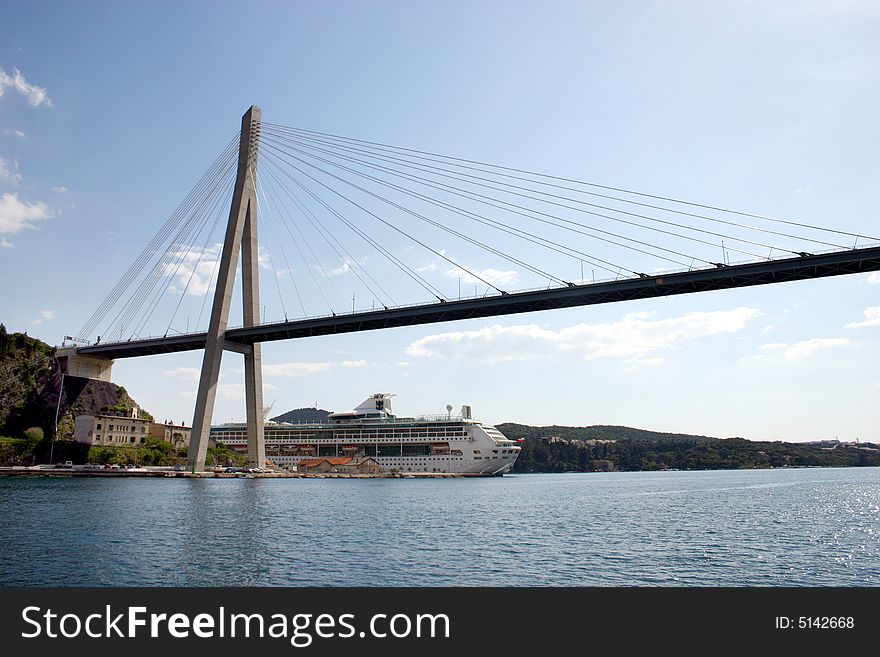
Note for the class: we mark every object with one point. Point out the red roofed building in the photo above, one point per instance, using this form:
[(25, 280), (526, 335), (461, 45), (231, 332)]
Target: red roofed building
[(340, 464)]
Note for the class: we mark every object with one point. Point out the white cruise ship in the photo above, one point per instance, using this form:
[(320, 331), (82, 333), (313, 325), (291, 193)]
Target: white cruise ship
[(428, 443)]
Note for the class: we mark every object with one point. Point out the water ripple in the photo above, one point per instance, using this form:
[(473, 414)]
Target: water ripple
[(758, 528)]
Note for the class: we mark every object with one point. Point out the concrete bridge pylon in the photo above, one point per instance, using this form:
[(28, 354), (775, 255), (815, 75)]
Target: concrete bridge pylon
[(241, 237)]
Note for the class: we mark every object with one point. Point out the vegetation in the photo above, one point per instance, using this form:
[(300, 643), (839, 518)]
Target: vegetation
[(224, 455), (26, 451), (153, 452), (26, 366), (598, 448), (31, 390), (310, 414), (123, 408)]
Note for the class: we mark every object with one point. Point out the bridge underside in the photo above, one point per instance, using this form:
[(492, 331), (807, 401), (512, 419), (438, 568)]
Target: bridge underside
[(704, 280)]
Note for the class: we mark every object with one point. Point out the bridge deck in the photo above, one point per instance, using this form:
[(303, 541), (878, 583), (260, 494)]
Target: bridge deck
[(702, 280)]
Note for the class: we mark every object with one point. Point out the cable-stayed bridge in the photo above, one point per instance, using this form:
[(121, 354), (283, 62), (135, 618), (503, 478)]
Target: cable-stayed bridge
[(331, 196)]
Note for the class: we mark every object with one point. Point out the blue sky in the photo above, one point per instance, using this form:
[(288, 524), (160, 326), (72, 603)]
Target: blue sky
[(110, 112)]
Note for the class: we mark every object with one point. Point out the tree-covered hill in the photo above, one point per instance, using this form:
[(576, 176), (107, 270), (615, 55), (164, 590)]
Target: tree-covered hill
[(310, 414), (600, 448), (29, 390)]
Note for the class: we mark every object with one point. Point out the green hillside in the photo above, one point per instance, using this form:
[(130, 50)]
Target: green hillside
[(600, 448), (29, 396)]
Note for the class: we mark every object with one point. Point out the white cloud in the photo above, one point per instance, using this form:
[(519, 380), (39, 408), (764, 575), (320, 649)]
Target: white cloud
[(343, 267), (263, 257), (872, 318), (431, 266), (183, 373), (16, 215), (34, 95), (231, 391), (45, 315), (193, 262), (5, 243), (9, 171), (493, 276), (304, 369), (769, 328), (633, 338), (235, 391), (9, 131), (59, 190), (874, 278), (798, 350)]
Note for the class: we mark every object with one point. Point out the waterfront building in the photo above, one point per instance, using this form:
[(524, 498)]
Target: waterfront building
[(107, 429), (176, 434), (344, 465)]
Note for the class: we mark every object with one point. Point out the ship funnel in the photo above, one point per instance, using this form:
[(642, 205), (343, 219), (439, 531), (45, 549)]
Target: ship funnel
[(466, 412)]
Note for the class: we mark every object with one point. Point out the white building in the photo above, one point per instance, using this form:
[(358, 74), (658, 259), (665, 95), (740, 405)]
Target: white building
[(111, 429)]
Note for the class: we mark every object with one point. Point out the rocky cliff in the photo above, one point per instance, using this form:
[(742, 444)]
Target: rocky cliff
[(29, 389)]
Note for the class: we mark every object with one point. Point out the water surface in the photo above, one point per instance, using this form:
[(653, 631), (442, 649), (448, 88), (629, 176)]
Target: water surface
[(812, 527)]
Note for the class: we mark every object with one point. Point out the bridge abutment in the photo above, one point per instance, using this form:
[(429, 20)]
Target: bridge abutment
[(86, 367)]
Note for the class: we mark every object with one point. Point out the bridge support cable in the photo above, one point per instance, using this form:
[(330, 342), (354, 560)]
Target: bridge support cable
[(520, 210), (257, 193), (319, 265), (307, 266), (496, 202), (278, 187), (218, 214), (289, 270), (175, 250), (511, 230), (373, 163), (399, 230), (504, 171), (170, 225), (336, 246), (175, 253), (184, 251), (360, 233), (471, 240)]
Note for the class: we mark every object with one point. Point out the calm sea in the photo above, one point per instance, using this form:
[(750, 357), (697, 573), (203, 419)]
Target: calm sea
[(812, 527)]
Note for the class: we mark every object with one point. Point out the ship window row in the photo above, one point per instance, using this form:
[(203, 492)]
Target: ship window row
[(346, 439), (409, 462), (395, 458), (352, 436), (343, 436), (394, 434)]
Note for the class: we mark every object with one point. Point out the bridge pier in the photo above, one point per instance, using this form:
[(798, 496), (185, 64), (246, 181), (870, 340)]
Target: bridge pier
[(241, 236)]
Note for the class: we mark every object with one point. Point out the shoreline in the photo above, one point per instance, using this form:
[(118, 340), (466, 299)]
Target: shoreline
[(29, 471)]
